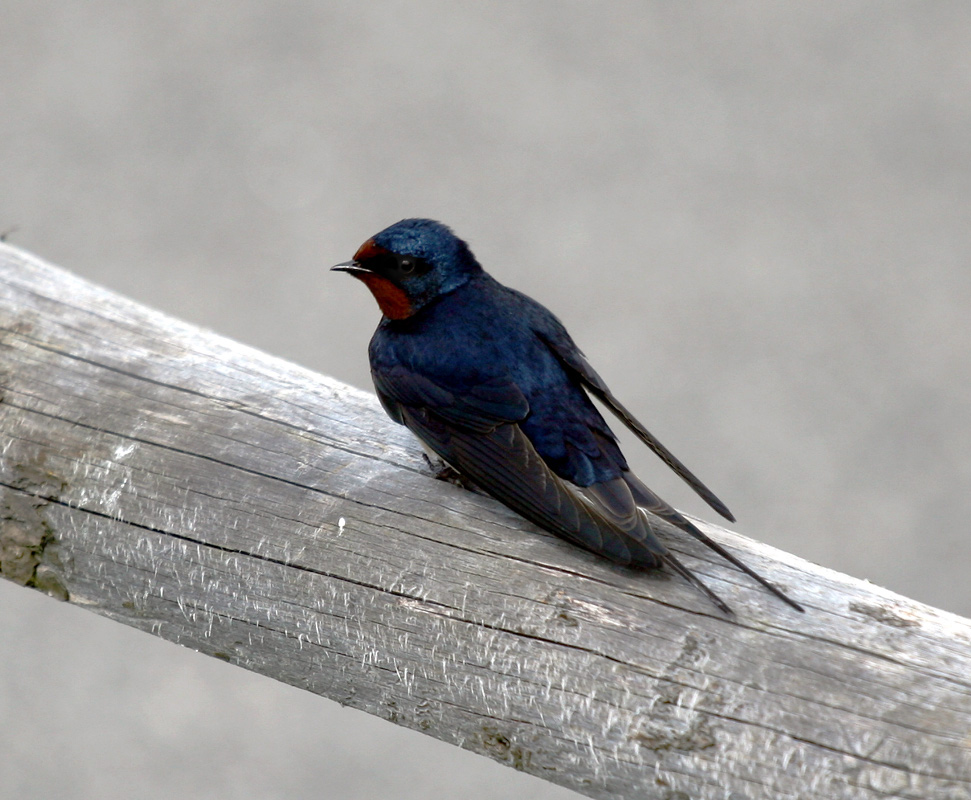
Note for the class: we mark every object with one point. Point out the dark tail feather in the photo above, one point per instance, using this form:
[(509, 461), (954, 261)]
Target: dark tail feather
[(709, 542), (694, 580), (706, 494), (567, 352), (655, 505)]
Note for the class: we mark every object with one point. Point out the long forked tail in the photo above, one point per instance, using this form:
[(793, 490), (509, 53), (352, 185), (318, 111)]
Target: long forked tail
[(653, 504)]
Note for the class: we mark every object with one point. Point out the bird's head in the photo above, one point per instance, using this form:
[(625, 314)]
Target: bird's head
[(410, 263)]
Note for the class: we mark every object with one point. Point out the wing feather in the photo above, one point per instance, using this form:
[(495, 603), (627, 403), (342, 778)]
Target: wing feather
[(504, 463)]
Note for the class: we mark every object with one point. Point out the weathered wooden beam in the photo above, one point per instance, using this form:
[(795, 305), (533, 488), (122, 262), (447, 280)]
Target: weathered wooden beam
[(231, 502)]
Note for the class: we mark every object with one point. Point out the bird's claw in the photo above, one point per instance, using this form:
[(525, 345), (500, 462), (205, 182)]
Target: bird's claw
[(441, 471)]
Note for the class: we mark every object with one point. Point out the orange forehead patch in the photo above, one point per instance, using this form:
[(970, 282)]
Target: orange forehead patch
[(393, 302), (369, 250)]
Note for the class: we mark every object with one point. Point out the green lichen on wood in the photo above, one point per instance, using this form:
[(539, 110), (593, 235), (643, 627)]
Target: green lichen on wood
[(27, 541)]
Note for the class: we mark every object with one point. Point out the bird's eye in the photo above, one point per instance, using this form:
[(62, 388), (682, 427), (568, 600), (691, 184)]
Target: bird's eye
[(407, 266)]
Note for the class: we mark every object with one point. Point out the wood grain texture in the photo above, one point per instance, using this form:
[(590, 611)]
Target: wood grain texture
[(239, 505)]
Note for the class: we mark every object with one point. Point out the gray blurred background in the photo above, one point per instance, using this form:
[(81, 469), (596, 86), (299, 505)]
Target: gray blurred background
[(754, 217)]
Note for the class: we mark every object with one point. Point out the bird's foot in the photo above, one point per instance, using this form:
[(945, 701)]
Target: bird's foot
[(441, 471)]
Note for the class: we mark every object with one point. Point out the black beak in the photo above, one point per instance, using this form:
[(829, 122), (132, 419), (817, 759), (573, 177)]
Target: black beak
[(349, 266)]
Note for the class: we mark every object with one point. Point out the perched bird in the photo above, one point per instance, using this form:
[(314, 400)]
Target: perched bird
[(491, 382)]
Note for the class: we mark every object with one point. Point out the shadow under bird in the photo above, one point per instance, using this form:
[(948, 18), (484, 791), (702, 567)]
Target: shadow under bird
[(491, 382)]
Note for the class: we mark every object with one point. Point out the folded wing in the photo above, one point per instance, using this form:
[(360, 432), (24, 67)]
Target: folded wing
[(478, 434)]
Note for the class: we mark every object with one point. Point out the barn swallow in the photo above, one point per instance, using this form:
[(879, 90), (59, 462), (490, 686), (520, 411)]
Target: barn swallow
[(490, 381)]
